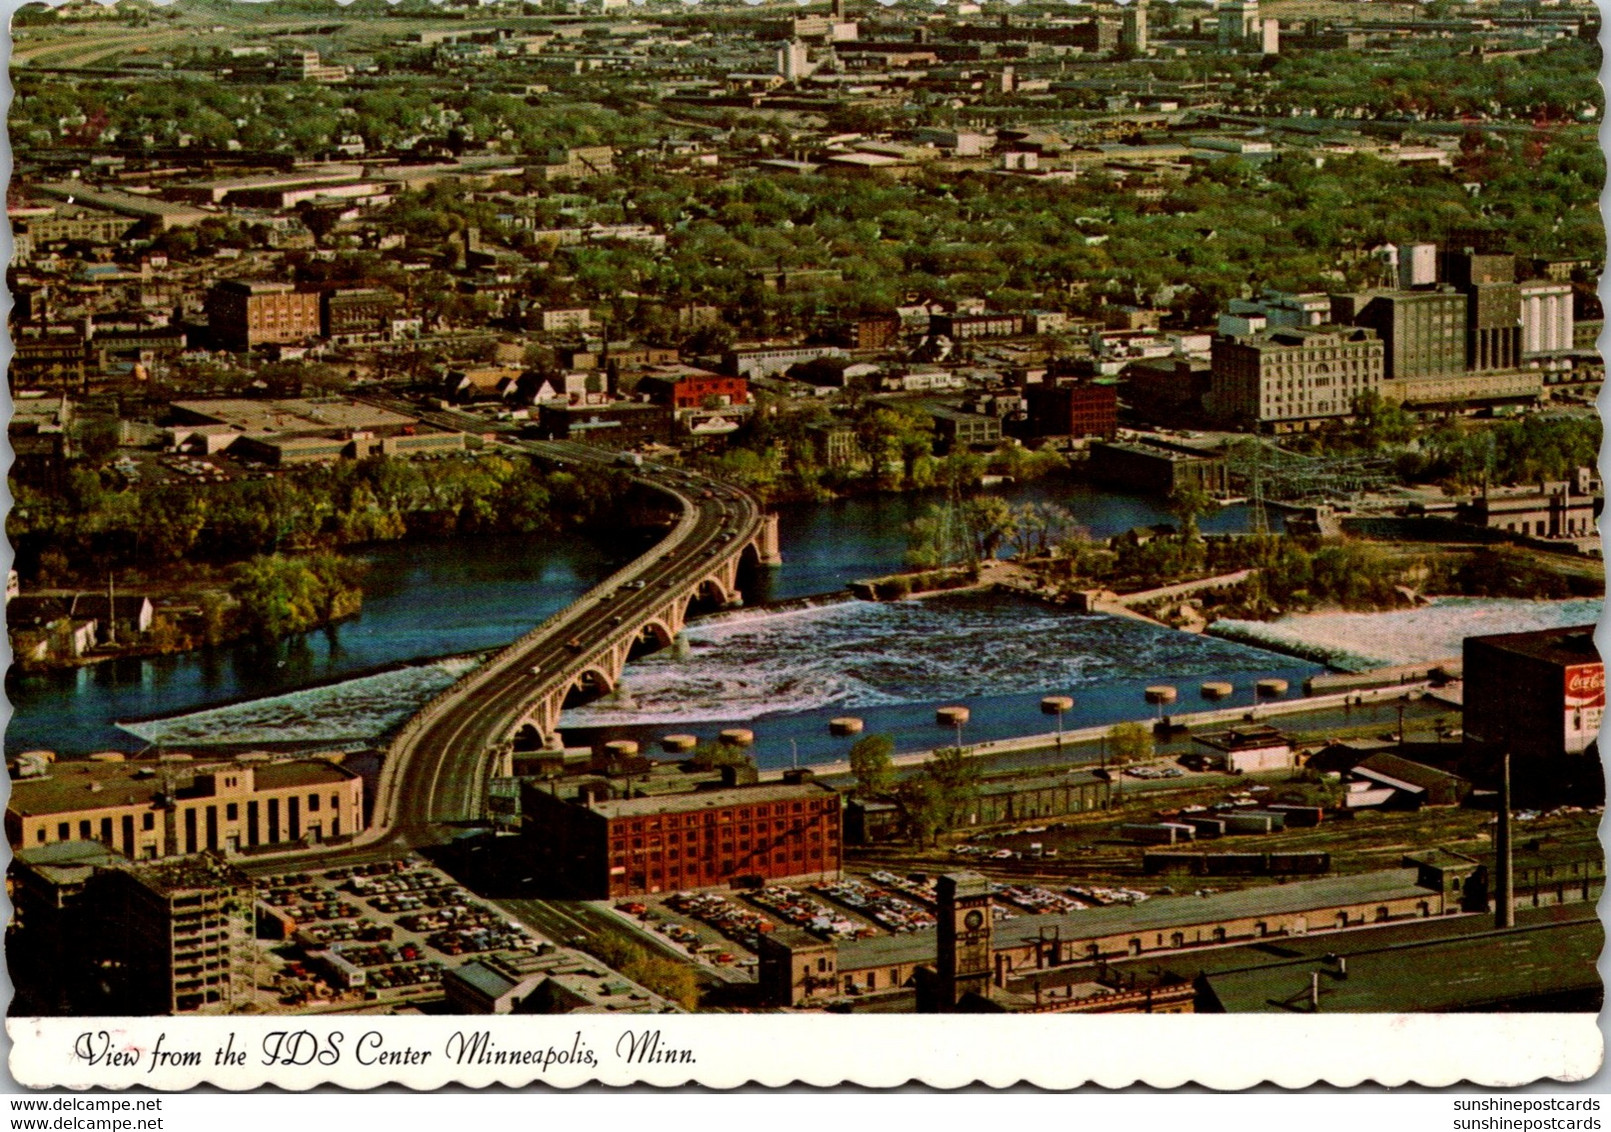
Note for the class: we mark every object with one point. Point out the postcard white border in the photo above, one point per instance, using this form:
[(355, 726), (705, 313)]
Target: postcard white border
[(881, 1051)]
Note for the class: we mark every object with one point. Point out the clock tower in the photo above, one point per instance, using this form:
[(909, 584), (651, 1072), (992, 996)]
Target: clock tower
[(965, 958)]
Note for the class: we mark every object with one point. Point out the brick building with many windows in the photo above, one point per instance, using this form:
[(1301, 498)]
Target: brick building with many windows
[(592, 848), (1536, 695), (243, 315), (1293, 378), (688, 387), (357, 314), (1071, 408)]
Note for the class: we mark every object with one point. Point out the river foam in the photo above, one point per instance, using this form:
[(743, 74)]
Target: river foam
[(865, 655), (1355, 642), (350, 711)]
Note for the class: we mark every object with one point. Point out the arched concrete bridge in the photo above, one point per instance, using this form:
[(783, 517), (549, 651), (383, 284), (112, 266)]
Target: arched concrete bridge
[(639, 618), (438, 763)]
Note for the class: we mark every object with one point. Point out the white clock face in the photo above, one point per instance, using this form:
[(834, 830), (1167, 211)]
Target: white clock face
[(972, 920)]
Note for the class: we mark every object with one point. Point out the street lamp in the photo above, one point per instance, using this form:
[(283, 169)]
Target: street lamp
[(953, 717), (1057, 705)]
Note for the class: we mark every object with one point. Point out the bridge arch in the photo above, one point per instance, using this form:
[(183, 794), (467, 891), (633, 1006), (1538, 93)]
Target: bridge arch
[(651, 638), (589, 685), (749, 579), (707, 597), (529, 737)]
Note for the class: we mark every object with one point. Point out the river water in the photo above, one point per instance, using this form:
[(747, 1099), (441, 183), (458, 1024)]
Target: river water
[(428, 601), (422, 601)]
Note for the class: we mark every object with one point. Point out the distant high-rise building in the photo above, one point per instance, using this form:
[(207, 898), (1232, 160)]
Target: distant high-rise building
[(1493, 327), (1546, 317), (1238, 22), (1077, 409), (1493, 307), (794, 61), (1417, 266), (242, 315), (1133, 34), (1536, 694), (1468, 268), (1423, 332), (179, 932)]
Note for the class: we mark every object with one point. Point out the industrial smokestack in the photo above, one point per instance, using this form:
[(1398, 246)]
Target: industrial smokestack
[(1505, 911)]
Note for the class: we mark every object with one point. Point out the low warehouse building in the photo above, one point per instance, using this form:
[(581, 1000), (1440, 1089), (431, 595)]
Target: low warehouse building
[(1543, 967), (886, 963), (548, 981)]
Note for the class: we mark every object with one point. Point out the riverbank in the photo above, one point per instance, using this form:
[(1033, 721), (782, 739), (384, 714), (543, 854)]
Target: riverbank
[(258, 601), (1067, 743), (441, 598)]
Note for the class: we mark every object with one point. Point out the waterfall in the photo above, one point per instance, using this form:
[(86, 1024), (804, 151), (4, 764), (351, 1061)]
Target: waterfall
[(775, 608)]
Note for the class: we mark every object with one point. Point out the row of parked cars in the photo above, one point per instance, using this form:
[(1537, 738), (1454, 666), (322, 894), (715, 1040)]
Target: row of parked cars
[(888, 911)]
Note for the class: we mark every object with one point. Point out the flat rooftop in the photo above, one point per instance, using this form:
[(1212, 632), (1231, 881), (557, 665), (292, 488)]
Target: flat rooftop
[(1571, 644), (292, 415), (1487, 969), (762, 794), (1314, 948), (86, 785), (1157, 914), (1152, 452), (1037, 782), (129, 204), (177, 875), (69, 862)]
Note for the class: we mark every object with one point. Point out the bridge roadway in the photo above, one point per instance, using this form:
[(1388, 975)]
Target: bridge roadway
[(436, 769)]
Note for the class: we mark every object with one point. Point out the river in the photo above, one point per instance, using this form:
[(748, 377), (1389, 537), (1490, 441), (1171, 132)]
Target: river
[(426, 601)]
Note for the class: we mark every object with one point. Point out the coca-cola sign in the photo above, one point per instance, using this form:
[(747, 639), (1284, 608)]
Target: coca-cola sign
[(1585, 685)]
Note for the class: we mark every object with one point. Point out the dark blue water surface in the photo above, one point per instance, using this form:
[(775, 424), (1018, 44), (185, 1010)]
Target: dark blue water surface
[(828, 545), (425, 599), (454, 596)]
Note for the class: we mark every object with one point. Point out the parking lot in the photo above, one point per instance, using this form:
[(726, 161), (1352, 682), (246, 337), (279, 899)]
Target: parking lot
[(721, 931), (379, 933)]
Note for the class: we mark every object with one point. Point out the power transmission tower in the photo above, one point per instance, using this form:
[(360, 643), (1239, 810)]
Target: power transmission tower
[(1258, 519)]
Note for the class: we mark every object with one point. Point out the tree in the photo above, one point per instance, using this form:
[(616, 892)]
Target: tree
[(98, 440), (872, 765), (1379, 422), (1129, 742), (1036, 528), (920, 804), (990, 521), (1186, 503), (711, 756)]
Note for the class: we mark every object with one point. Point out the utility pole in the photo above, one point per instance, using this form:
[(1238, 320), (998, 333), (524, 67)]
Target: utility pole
[(1505, 910)]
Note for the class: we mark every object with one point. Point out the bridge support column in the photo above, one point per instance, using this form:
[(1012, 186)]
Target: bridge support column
[(766, 543), (503, 761)]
